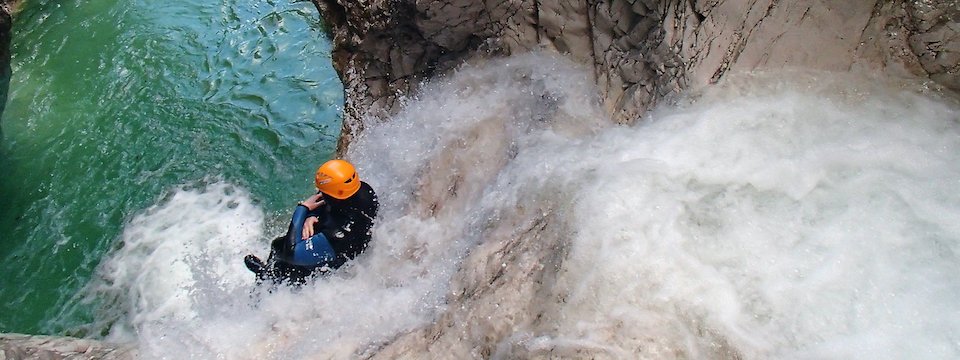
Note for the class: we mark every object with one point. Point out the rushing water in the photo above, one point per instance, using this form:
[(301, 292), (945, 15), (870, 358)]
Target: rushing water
[(793, 215), (790, 215), (115, 105)]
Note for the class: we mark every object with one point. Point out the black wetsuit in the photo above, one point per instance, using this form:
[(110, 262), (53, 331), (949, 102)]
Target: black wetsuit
[(346, 224)]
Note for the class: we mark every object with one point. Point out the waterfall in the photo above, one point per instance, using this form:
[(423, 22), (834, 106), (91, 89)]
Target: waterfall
[(779, 215)]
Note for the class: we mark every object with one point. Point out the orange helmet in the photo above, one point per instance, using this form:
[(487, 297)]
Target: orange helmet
[(337, 178)]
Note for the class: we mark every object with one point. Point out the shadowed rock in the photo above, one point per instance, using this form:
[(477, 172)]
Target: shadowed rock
[(642, 51), (6, 8)]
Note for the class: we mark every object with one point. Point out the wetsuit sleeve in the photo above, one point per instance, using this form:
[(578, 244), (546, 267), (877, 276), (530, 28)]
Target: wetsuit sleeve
[(294, 232), (318, 212)]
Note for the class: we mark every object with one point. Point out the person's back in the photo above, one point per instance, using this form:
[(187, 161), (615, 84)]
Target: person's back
[(347, 223)]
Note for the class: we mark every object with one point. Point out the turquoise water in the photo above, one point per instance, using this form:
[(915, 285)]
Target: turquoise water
[(113, 104)]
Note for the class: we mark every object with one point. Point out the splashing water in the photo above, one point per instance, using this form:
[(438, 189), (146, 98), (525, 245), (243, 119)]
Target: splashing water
[(794, 215), (180, 247)]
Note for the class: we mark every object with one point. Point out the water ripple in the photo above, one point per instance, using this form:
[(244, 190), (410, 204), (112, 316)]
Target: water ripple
[(114, 103)]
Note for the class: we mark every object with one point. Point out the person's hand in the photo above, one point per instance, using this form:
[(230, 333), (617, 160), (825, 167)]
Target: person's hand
[(313, 202), (308, 227)]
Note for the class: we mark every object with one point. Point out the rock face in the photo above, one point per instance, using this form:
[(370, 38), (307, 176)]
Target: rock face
[(6, 8), (642, 51), (17, 346)]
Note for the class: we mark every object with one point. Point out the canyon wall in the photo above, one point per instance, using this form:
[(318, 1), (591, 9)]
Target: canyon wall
[(641, 51), (6, 22), (19, 346)]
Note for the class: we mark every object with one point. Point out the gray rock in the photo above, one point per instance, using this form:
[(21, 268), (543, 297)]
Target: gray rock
[(19, 346), (642, 51)]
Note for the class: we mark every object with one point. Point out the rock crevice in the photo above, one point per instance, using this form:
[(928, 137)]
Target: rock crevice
[(641, 51)]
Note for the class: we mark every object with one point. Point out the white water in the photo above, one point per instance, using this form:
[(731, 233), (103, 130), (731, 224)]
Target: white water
[(778, 216)]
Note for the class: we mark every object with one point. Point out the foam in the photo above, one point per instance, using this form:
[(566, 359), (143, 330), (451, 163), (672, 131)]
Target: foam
[(177, 254), (795, 215)]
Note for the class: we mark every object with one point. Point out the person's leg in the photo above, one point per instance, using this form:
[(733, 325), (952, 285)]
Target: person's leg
[(255, 265), (317, 248), (293, 275), (314, 251), (264, 270)]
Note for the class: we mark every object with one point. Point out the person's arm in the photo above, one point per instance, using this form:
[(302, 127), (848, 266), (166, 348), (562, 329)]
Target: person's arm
[(308, 226), (295, 229), (313, 218)]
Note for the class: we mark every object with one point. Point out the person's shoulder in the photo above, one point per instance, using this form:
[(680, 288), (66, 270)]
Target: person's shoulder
[(365, 187), (366, 193)]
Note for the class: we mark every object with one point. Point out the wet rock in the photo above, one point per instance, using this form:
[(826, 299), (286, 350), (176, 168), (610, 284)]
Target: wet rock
[(6, 8), (934, 29), (642, 51), (19, 346)]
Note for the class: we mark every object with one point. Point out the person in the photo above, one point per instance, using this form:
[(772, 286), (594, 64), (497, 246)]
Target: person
[(326, 230)]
